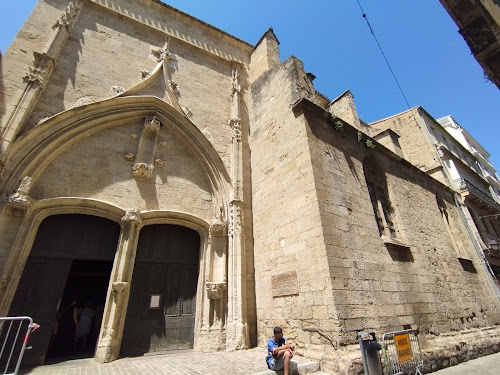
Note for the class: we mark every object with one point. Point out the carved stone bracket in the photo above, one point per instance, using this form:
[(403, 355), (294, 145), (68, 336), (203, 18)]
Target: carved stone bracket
[(142, 171), (217, 228), (132, 216), (215, 290), (20, 200)]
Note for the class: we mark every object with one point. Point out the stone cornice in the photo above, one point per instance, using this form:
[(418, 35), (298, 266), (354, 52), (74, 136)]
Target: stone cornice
[(157, 24)]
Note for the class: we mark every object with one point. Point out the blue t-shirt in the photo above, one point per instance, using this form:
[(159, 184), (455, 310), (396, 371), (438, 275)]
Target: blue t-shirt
[(271, 344)]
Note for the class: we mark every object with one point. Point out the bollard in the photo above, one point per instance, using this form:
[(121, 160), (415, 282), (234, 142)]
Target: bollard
[(369, 353)]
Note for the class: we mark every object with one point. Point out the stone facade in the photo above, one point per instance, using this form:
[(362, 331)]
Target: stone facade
[(308, 218)]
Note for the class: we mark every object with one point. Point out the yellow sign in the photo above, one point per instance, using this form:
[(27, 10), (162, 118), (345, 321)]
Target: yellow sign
[(403, 347)]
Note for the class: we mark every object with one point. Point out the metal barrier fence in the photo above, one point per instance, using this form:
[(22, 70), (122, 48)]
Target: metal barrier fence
[(402, 353), (14, 334)]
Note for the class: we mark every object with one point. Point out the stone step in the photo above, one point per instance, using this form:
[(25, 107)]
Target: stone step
[(307, 367)]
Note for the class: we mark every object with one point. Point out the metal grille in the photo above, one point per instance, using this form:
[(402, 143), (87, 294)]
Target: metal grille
[(14, 333), (402, 354)]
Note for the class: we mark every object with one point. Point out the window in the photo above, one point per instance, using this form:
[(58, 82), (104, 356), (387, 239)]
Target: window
[(453, 232), (379, 197)]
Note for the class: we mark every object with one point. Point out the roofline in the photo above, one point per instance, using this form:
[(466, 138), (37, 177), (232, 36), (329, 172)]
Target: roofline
[(395, 115)]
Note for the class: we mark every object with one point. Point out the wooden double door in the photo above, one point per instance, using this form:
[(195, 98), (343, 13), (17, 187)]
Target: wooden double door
[(162, 303)]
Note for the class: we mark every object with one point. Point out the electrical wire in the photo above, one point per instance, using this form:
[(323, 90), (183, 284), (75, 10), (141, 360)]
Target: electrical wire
[(382, 51)]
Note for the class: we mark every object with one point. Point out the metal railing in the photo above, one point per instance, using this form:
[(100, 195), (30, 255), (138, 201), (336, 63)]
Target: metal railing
[(462, 184), (14, 334), (402, 354)]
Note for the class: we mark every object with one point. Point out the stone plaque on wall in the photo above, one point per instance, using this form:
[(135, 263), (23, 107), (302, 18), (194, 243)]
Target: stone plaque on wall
[(284, 284)]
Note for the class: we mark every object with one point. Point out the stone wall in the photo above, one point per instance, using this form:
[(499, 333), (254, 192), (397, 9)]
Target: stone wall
[(288, 244), (415, 282)]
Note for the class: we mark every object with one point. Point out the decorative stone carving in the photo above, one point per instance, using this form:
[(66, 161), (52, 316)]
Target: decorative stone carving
[(145, 161), (215, 290), (159, 163), (117, 90), (142, 171), (132, 216), (84, 100), (152, 124), (20, 200), (145, 73), (236, 218), (163, 144), (161, 53), (218, 228), (129, 156), (38, 72), (133, 136), (68, 19), (118, 287), (236, 126)]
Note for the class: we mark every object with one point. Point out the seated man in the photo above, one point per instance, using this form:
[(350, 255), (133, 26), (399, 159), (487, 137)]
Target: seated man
[(279, 352)]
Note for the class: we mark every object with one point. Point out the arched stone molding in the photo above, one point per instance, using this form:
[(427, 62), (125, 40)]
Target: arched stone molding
[(32, 153), (38, 211)]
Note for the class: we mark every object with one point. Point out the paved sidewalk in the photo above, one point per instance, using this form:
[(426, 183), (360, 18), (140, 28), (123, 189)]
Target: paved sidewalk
[(190, 362), (182, 362), (488, 365)]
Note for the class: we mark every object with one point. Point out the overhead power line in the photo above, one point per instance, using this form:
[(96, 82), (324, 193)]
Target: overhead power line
[(382, 51)]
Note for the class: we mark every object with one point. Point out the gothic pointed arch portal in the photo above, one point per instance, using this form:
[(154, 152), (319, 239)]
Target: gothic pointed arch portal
[(38, 159)]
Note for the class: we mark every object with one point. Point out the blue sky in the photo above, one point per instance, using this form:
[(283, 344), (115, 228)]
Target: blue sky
[(431, 60)]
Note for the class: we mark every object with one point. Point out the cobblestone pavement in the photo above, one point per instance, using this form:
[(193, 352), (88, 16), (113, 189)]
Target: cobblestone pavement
[(185, 362)]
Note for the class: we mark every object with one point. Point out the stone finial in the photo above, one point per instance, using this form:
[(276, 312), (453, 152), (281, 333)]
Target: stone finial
[(69, 17)]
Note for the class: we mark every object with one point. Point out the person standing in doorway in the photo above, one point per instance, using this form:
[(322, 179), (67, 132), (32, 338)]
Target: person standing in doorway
[(83, 318)]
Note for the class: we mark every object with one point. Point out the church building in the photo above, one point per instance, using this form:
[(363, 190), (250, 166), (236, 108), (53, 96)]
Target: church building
[(196, 190)]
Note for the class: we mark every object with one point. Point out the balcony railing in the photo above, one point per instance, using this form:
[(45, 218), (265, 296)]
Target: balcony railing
[(462, 184)]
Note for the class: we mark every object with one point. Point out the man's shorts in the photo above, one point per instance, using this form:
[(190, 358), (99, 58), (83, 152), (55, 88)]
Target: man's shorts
[(277, 364)]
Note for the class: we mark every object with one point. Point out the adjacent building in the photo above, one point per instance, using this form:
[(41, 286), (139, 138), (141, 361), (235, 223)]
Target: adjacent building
[(479, 24), (445, 150), (197, 191)]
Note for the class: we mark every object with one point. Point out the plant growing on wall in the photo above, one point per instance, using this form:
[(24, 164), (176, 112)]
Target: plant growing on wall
[(368, 142)]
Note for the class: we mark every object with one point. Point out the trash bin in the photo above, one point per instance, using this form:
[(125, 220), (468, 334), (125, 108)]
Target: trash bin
[(369, 353)]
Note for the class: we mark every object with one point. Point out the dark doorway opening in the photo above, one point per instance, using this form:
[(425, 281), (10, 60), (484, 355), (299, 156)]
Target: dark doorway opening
[(71, 257), (83, 300)]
